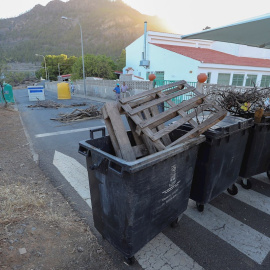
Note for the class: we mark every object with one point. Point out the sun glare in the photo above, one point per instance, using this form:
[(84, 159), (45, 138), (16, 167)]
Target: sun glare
[(186, 17), (182, 17)]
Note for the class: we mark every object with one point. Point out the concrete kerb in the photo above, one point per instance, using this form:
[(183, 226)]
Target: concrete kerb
[(31, 146)]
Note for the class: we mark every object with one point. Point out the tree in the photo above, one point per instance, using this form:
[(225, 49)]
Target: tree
[(95, 66), (40, 73), (57, 64), (16, 78), (121, 61), (66, 66), (3, 62), (52, 62)]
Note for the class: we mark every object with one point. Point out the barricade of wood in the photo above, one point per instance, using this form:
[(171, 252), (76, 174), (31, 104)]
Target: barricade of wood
[(151, 124)]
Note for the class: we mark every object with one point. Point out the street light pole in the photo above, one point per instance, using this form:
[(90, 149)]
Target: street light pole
[(84, 84), (44, 64)]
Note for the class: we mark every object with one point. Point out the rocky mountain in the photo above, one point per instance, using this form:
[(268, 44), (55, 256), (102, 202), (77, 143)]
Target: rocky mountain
[(108, 27)]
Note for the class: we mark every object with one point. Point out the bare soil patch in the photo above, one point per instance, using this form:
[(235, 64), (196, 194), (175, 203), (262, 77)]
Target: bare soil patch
[(38, 228)]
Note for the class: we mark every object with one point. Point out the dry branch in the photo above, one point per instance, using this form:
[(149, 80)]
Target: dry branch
[(79, 114), (243, 104), (53, 104)]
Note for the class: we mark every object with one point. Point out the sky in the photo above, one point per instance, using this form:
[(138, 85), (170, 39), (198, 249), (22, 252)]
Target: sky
[(183, 16)]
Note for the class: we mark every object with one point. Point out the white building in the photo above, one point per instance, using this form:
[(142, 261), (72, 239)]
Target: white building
[(170, 58)]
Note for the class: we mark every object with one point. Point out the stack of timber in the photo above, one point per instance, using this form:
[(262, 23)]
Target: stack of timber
[(150, 125)]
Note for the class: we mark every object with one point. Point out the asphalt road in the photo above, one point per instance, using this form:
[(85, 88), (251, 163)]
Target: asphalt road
[(233, 232)]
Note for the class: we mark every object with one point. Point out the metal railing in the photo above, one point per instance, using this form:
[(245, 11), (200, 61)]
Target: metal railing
[(178, 99)]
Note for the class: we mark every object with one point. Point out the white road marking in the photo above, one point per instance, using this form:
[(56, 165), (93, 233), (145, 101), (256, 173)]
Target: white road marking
[(75, 174), (262, 177), (253, 198), (162, 253), (65, 132), (247, 240)]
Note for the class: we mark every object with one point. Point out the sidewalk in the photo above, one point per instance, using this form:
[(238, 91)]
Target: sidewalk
[(38, 228)]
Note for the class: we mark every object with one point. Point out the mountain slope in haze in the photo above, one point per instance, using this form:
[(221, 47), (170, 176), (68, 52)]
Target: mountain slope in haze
[(107, 26)]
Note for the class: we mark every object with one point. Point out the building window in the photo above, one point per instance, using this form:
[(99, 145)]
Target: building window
[(238, 79), (251, 80), (224, 78), (208, 77), (159, 75), (265, 82)]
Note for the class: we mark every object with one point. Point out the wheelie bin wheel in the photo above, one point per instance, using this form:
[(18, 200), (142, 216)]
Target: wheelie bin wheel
[(129, 260), (246, 183), (200, 207), (174, 224), (233, 190)]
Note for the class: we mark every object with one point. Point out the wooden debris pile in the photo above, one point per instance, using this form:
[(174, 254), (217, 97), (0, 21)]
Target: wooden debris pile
[(79, 115), (53, 104), (243, 104), (151, 126)]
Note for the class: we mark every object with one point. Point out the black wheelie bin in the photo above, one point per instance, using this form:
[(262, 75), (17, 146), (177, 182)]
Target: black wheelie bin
[(134, 201), (257, 153), (219, 159)]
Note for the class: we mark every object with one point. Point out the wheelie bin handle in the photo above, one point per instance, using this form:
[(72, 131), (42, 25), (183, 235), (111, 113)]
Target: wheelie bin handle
[(83, 150), (94, 167), (92, 131), (104, 164), (101, 165)]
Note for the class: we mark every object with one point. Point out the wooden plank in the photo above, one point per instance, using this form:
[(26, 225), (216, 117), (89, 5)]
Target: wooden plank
[(138, 140), (149, 144), (140, 150), (152, 97), (163, 98), (140, 101), (146, 114), (178, 123), (201, 128), (152, 91), (181, 112), (145, 137), (157, 144), (137, 120), (166, 138), (175, 89), (120, 133), (170, 113), (104, 113), (111, 134)]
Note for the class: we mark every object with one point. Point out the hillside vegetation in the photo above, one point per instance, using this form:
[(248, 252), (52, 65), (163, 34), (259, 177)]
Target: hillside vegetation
[(108, 27)]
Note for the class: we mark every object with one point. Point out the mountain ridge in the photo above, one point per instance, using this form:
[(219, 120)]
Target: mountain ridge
[(108, 27)]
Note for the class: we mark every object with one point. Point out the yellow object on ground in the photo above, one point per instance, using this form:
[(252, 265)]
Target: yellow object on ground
[(63, 91)]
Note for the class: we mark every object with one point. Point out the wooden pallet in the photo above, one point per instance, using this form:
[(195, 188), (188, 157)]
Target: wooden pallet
[(148, 123), (118, 135), (142, 109)]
